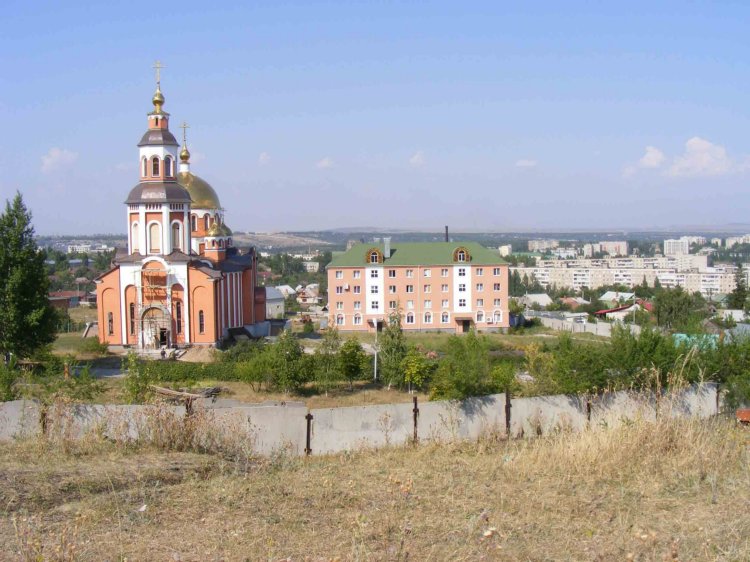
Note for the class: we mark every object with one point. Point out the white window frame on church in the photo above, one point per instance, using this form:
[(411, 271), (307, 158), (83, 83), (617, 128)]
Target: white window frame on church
[(176, 240), (150, 237)]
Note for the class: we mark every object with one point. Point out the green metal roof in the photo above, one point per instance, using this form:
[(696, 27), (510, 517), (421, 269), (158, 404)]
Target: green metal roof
[(417, 253)]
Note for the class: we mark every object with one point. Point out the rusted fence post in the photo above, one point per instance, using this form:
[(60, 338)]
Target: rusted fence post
[(508, 406), (588, 409), (309, 418), (416, 422)]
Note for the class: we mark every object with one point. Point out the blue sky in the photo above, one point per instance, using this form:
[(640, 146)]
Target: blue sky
[(315, 115)]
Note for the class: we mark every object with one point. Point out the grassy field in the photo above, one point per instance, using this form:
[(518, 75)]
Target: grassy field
[(674, 490)]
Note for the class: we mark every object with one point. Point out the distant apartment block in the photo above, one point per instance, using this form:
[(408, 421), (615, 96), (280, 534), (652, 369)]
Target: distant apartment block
[(609, 247), (88, 249), (543, 245), (716, 242), (734, 240), (311, 266), (505, 251), (676, 247), (435, 286)]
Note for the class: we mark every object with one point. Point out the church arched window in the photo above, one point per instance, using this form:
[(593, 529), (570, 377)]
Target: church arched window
[(178, 316), (176, 236), (132, 319), (145, 167), (168, 166), (201, 322), (155, 166), (154, 238), (205, 223), (134, 238), (193, 223), (110, 324)]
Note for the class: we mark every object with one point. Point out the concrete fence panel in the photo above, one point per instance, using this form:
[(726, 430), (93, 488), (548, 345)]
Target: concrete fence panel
[(19, 419), (541, 415), (612, 408)]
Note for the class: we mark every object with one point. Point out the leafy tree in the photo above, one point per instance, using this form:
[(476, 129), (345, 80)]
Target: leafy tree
[(327, 365), (676, 309), (392, 349), (416, 368), (287, 364), (737, 299), (465, 370), (351, 359), (27, 321), (138, 380)]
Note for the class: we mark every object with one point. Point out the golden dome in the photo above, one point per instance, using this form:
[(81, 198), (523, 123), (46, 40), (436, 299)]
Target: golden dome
[(214, 230), (184, 153), (225, 230), (157, 100), (202, 194)]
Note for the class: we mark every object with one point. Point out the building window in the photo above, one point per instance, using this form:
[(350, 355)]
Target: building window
[(409, 273), (357, 289), (339, 274), (410, 318), (496, 287), (480, 271), (480, 286), (357, 274), (444, 304), (392, 305), (205, 222), (374, 290), (154, 238), (201, 322), (480, 316), (480, 302), (357, 305), (443, 288), (339, 319), (444, 317), (462, 272), (461, 302), (132, 319), (373, 274), (444, 272), (357, 320), (155, 167), (410, 288), (392, 289), (498, 317), (178, 314), (427, 288), (428, 318), (110, 324), (462, 287), (375, 305), (392, 273), (410, 305), (496, 302), (176, 236), (145, 167), (374, 257), (339, 305), (134, 238), (428, 304), (168, 167), (461, 255), (193, 223), (495, 271), (428, 273), (339, 290)]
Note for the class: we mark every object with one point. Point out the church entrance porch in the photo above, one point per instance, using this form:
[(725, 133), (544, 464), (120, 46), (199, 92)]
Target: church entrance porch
[(155, 329)]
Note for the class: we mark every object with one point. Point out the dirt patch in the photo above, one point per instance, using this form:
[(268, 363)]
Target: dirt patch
[(199, 354)]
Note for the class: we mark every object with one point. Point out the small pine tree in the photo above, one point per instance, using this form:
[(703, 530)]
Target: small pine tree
[(27, 320), (738, 297)]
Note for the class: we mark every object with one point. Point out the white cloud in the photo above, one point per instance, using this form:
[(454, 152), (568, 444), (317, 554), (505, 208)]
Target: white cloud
[(652, 159), (264, 158), (326, 162), (417, 159), (57, 158), (526, 163), (701, 158)]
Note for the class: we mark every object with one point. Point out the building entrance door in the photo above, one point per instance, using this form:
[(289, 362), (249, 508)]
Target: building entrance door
[(155, 328), (465, 326)]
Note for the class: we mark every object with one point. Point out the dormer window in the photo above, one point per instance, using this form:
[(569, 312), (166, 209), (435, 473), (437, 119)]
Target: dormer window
[(461, 255), (374, 255), (155, 167)]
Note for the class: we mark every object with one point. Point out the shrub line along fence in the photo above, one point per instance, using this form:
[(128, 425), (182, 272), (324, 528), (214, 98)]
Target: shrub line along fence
[(268, 428), (599, 328)]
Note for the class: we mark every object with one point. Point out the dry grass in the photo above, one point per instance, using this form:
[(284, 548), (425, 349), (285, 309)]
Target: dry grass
[(672, 490)]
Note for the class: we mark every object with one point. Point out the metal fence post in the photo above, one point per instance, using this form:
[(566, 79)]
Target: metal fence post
[(309, 418), (508, 406), (416, 417)]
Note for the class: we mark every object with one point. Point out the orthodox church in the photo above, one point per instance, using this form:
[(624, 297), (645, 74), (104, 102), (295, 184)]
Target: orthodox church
[(181, 281)]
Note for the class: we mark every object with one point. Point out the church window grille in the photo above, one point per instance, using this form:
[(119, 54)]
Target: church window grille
[(132, 319), (178, 315), (155, 166), (201, 322), (110, 324)]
